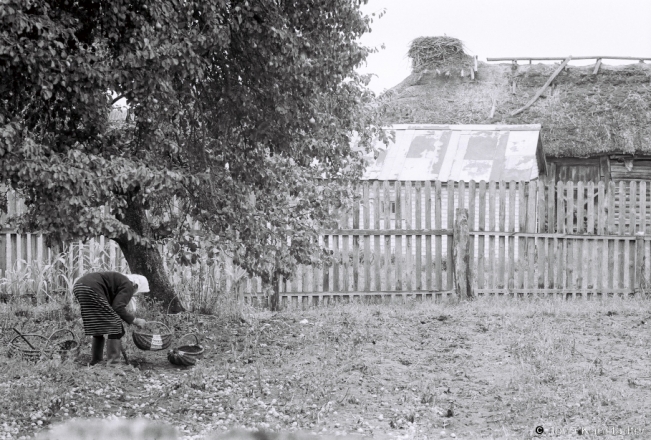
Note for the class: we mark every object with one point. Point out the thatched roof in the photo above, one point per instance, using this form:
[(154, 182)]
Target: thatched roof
[(582, 114)]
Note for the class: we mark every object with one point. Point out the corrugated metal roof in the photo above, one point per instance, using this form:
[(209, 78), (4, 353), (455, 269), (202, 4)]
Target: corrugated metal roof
[(458, 152)]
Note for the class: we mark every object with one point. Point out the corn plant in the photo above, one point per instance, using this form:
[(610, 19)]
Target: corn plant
[(213, 283)]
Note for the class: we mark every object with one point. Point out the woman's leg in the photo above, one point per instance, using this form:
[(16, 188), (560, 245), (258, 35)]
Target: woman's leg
[(97, 349), (114, 347)]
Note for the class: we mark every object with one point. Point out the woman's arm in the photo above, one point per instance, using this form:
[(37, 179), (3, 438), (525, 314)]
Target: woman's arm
[(124, 292)]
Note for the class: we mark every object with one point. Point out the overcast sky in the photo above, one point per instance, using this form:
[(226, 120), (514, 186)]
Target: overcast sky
[(507, 28)]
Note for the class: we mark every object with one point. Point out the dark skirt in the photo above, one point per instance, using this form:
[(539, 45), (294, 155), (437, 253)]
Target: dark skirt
[(97, 314)]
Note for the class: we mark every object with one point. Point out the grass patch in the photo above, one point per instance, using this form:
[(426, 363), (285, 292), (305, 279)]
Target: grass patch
[(496, 367)]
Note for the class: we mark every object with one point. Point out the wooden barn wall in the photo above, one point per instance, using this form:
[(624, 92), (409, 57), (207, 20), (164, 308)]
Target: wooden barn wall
[(572, 169), (641, 170)]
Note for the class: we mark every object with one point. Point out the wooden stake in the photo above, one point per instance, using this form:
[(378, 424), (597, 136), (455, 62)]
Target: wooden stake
[(544, 87), (24, 338), (462, 271), (596, 67)]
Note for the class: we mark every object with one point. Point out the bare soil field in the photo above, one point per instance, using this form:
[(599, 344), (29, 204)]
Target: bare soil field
[(494, 368)]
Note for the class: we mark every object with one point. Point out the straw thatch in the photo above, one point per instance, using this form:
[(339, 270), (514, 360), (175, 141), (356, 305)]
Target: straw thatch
[(582, 114), (443, 55)]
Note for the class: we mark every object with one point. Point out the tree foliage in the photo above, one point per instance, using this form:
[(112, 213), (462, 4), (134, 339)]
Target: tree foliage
[(238, 115)]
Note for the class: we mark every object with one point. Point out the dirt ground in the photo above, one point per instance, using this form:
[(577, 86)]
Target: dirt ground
[(492, 368)]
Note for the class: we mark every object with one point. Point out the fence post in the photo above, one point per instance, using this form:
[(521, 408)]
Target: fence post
[(461, 252), (274, 303), (639, 281)]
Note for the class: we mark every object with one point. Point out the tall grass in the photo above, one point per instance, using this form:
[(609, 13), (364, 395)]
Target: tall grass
[(209, 285)]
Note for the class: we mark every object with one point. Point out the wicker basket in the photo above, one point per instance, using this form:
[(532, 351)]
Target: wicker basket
[(186, 355), (151, 341), (19, 347), (64, 347), (33, 347)]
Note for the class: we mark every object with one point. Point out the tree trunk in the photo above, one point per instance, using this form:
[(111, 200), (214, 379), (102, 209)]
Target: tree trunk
[(147, 261)]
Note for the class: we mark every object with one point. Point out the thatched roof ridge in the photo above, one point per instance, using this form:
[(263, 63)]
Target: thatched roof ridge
[(582, 114)]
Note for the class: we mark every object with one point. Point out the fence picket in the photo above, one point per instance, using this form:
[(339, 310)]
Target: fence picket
[(621, 244), (580, 229), (511, 240), (632, 229), (337, 262), (640, 261), (387, 238), (346, 266), (5, 254), (531, 228), (590, 245), (398, 238), (552, 243), (450, 222), (602, 245), (570, 243), (481, 248), (541, 245), (367, 238), (642, 228), (377, 251), (551, 207), (522, 227), (438, 240), (408, 213), (471, 224), (502, 239), (428, 238), (326, 267), (561, 247), (491, 238), (419, 238), (611, 230)]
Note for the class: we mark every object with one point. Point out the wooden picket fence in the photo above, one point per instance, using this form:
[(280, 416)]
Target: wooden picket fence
[(526, 238), (17, 251)]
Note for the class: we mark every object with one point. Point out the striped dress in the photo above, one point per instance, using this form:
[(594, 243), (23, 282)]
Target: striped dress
[(103, 298)]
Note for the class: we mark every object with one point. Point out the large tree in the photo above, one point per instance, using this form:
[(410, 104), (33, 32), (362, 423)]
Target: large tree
[(238, 116)]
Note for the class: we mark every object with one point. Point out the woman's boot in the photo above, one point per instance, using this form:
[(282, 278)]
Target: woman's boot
[(113, 350), (97, 350)]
